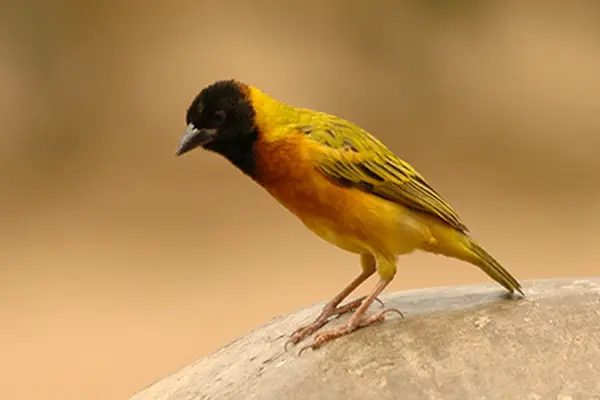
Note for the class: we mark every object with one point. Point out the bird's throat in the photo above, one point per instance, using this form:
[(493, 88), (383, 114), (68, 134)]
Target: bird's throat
[(239, 152)]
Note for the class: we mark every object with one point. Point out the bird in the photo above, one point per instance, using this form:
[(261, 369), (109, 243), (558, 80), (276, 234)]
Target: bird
[(342, 183)]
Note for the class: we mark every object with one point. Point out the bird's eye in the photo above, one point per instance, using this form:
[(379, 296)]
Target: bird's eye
[(219, 116)]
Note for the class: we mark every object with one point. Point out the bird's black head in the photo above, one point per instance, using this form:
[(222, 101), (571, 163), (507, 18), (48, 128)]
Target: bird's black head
[(221, 119)]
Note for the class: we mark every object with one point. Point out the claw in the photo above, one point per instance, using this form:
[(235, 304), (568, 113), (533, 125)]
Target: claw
[(302, 332), (308, 346), (350, 326)]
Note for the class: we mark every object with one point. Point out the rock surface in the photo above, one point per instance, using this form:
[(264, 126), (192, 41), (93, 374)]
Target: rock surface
[(455, 343)]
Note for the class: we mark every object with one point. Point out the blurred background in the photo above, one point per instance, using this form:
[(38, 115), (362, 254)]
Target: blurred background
[(120, 263)]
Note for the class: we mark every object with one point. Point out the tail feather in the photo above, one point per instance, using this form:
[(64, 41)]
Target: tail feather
[(453, 243), (493, 268)]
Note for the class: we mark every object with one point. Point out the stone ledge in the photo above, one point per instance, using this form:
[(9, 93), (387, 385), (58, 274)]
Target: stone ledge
[(455, 343)]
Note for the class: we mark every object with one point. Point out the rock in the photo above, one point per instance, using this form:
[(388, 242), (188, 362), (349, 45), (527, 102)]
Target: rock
[(455, 343)]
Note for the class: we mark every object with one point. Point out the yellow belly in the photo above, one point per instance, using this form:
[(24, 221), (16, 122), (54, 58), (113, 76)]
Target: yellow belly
[(392, 234), (329, 232), (353, 220)]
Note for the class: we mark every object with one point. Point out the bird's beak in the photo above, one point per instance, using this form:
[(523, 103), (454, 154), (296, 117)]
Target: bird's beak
[(194, 137)]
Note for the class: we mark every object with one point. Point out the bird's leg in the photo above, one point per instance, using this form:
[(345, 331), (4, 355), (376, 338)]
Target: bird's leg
[(351, 306), (331, 308), (358, 318)]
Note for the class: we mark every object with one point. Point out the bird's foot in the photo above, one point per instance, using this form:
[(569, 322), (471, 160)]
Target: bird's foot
[(306, 330), (350, 326)]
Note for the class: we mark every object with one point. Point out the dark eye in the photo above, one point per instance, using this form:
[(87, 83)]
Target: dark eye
[(219, 116)]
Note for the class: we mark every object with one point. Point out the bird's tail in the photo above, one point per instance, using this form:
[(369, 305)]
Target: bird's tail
[(458, 245)]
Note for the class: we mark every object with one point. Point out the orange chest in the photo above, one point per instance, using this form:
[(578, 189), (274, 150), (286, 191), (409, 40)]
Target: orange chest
[(287, 171)]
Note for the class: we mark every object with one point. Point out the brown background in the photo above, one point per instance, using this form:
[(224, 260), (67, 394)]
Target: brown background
[(120, 263)]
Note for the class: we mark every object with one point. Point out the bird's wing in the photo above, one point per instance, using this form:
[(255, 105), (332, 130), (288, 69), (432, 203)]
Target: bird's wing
[(352, 157)]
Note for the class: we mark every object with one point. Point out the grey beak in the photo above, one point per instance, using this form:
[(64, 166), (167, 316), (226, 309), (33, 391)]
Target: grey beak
[(194, 137)]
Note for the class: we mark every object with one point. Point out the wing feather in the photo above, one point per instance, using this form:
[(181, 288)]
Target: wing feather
[(354, 158)]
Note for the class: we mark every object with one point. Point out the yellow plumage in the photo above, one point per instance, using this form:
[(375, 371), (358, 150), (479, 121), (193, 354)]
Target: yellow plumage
[(345, 185), (364, 198)]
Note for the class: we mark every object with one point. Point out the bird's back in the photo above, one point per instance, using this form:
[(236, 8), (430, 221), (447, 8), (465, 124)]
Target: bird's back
[(352, 157)]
